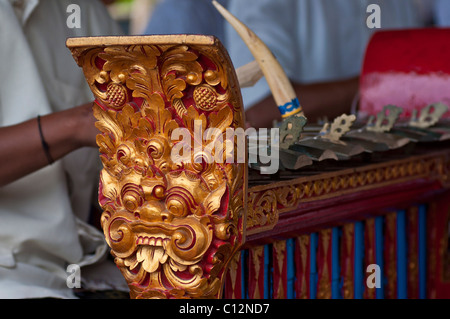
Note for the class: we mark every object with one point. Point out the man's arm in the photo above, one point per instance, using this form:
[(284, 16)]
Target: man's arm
[(329, 99), (21, 150)]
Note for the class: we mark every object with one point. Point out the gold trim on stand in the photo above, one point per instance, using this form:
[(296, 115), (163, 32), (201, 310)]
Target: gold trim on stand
[(267, 202)]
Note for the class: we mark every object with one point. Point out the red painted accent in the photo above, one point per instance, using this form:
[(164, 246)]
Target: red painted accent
[(302, 270), (255, 275), (413, 252), (390, 256), (327, 213), (437, 247), (407, 68), (348, 262), (369, 255), (324, 266), (279, 274), (234, 291)]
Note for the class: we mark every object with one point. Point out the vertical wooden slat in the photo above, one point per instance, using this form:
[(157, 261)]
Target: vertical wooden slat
[(244, 274), (302, 257), (290, 265), (412, 226), (370, 253), (324, 264), (313, 266), (422, 229), (279, 270), (267, 272), (432, 241), (379, 252), (402, 258), (359, 260), (438, 247), (390, 256), (233, 289), (256, 273), (335, 266), (347, 262)]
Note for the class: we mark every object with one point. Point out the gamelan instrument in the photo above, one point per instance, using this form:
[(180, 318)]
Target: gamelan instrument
[(347, 194)]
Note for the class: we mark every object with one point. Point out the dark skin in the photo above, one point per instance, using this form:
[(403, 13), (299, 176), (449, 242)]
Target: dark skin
[(21, 151), (330, 99)]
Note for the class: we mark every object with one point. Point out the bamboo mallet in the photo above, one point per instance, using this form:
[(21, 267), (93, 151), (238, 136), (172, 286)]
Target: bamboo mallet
[(280, 86)]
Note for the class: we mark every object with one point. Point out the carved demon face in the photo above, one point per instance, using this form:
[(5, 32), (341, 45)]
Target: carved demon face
[(172, 226), (161, 224)]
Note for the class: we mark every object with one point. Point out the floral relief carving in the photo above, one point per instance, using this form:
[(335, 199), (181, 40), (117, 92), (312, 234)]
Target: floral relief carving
[(172, 226)]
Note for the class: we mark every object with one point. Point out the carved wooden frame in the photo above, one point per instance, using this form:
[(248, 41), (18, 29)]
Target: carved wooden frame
[(173, 226)]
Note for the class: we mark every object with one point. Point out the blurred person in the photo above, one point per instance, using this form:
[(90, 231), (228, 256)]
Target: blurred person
[(319, 43), (49, 157), (187, 17), (441, 13)]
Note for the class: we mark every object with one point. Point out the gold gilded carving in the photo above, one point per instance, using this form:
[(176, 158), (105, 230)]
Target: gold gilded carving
[(347, 288), (370, 252), (257, 253), (234, 264), (303, 243), (173, 225), (267, 202), (391, 268), (324, 285), (280, 251)]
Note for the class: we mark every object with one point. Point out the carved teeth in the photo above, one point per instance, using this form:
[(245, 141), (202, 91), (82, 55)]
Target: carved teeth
[(160, 241)]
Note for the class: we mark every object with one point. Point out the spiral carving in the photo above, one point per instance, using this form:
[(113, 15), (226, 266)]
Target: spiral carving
[(161, 216)]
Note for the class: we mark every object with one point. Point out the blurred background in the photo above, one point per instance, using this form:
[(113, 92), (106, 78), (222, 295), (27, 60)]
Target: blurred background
[(132, 15)]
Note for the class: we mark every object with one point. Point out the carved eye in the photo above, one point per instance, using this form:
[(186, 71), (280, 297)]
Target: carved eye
[(132, 197), (180, 202), (156, 148)]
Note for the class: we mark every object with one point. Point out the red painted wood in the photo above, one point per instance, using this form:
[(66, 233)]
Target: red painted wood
[(413, 252), (327, 213), (279, 270), (390, 256), (324, 265), (348, 260), (256, 273), (369, 253), (302, 267), (438, 248), (233, 282), (407, 68)]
